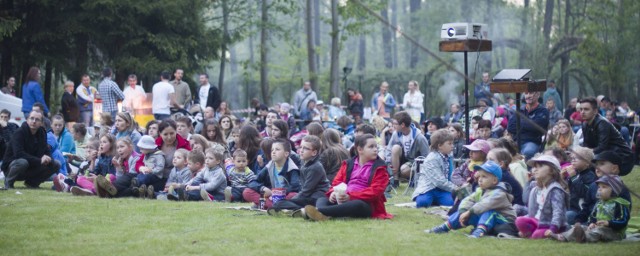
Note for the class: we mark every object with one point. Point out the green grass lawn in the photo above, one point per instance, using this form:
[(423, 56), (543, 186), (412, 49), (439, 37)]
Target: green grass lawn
[(39, 222)]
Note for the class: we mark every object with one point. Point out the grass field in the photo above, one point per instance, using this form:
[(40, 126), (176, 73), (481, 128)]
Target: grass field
[(43, 222)]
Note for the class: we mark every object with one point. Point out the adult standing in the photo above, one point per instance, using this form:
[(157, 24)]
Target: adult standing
[(302, 98), (86, 95), (70, 108), (9, 88), (28, 157), (181, 88), (356, 105), (163, 97), (110, 93), (481, 91), (134, 95), (534, 123), (32, 93), (412, 102), (203, 91), (383, 102), (213, 95), (552, 93), (600, 135)]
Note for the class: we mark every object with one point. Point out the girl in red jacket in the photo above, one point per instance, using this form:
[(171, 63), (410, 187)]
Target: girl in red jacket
[(366, 178)]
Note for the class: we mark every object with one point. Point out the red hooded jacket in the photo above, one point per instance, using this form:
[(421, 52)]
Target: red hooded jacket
[(374, 194)]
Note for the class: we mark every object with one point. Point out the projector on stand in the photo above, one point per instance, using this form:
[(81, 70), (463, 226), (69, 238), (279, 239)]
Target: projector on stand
[(463, 31)]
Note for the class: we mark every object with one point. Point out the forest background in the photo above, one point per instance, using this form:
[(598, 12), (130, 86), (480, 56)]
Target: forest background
[(266, 49)]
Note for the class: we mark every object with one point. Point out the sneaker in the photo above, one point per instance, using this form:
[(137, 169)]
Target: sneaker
[(205, 195), (227, 194), (279, 213), (78, 191), (151, 193), (476, 233), (558, 237), (578, 233), (134, 183), (314, 214), (172, 194), (142, 191), (300, 213), (58, 182), (182, 193), (106, 185), (438, 229)]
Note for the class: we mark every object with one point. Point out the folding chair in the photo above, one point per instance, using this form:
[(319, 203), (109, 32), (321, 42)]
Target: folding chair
[(415, 169)]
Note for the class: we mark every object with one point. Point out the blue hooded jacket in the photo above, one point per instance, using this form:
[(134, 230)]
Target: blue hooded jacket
[(56, 154), (31, 93)]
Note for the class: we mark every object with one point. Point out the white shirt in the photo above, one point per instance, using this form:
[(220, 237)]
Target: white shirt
[(161, 98), (133, 98), (203, 94), (412, 103), (407, 141)]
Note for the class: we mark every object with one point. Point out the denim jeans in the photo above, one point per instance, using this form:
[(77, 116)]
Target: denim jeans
[(151, 179), (489, 219), (87, 118), (161, 117), (433, 196), (529, 149)]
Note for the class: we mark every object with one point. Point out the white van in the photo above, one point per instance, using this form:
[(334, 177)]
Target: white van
[(14, 105)]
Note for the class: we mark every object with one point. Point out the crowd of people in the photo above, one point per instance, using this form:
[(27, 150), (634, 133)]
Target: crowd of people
[(555, 177)]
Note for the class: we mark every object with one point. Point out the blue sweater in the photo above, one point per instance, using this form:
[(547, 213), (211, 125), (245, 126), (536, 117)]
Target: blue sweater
[(31, 93), (66, 143)]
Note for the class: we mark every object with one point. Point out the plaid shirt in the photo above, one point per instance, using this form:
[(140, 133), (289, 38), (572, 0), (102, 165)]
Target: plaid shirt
[(110, 94)]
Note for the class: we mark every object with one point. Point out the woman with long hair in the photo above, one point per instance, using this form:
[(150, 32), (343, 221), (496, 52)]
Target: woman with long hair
[(31, 92), (211, 131), (126, 127), (249, 141), (226, 125), (333, 153)]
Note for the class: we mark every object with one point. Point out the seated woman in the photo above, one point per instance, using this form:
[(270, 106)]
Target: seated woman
[(366, 179)]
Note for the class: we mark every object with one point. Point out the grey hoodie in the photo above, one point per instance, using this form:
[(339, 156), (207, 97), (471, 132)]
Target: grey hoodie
[(553, 212), (495, 198)]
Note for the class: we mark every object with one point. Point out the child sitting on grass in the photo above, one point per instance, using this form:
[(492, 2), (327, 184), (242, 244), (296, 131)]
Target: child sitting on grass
[(607, 164), (434, 185), (502, 157), (210, 181), (85, 175), (478, 151), (547, 202), (239, 177), (180, 173), (281, 172), (488, 206), (313, 179), (126, 163), (366, 179), (150, 177), (610, 216), (580, 176)]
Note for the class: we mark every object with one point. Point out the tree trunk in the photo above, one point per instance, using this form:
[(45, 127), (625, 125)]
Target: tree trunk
[(316, 33), (252, 59), (223, 45), (564, 60), (414, 6), (47, 84), (548, 21), (311, 53), (7, 62), (362, 51), (233, 60), (487, 58), (335, 51), (394, 21), (264, 51), (386, 37), (522, 53)]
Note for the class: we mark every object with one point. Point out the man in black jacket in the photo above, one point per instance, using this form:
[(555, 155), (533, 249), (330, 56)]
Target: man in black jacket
[(28, 157), (600, 135)]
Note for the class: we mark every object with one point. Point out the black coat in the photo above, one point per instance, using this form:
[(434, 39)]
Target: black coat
[(600, 135), (30, 147), (213, 100), (70, 108)]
